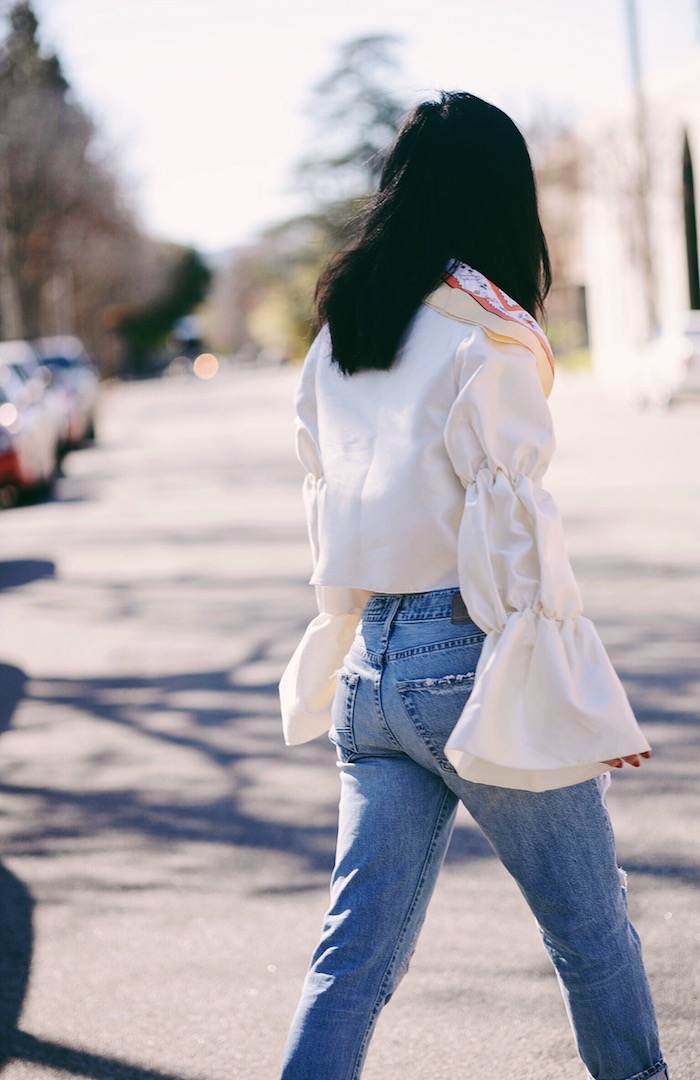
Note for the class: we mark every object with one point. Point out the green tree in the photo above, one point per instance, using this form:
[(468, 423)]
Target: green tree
[(146, 327), (21, 62), (356, 112)]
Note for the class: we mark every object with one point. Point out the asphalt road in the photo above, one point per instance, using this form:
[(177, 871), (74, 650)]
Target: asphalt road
[(165, 858)]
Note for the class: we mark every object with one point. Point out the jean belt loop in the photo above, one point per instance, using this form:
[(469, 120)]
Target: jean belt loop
[(394, 605)]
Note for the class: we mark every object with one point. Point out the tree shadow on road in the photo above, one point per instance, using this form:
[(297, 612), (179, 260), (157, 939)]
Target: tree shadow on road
[(12, 684), (241, 790), (17, 572), (20, 1046), (221, 725), (226, 722), (147, 717), (261, 797), (16, 948), (16, 935)]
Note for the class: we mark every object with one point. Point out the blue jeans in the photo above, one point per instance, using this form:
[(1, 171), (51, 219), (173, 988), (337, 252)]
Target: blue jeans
[(404, 684)]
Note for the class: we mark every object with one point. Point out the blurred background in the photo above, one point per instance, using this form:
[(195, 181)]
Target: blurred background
[(172, 175)]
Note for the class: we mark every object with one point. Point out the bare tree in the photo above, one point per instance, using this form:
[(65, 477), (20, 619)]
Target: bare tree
[(69, 243)]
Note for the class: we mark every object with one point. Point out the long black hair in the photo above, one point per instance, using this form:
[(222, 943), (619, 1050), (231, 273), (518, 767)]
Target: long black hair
[(457, 185)]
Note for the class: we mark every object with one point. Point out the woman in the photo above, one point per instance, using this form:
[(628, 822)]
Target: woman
[(450, 653)]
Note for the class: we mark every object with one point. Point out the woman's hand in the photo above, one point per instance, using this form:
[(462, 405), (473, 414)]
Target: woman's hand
[(633, 759)]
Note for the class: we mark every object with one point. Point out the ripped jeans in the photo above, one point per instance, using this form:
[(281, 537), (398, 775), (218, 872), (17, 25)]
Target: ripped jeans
[(403, 687)]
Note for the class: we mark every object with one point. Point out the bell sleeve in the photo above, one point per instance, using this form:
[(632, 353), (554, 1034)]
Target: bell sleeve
[(547, 708), (308, 684)]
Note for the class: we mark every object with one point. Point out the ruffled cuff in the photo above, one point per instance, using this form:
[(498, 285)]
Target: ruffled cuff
[(309, 681), (547, 707)]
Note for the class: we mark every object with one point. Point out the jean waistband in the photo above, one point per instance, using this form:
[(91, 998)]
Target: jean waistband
[(414, 607)]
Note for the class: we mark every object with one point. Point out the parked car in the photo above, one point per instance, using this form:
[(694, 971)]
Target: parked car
[(22, 359), (670, 368), (71, 373), (28, 440)]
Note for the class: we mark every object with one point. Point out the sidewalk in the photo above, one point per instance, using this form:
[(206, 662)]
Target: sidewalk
[(165, 858)]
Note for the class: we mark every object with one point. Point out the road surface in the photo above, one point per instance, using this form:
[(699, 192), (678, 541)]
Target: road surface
[(165, 858)]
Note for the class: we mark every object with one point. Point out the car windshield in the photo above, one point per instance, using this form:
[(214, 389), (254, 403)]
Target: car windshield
[(64, 362)]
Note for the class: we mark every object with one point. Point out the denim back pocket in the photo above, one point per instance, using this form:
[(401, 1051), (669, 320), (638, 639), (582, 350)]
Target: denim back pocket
[(434, 706), (342, 733)]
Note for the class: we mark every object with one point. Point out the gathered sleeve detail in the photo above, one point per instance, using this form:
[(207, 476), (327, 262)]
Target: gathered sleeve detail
[(547, 707), (308, 684)]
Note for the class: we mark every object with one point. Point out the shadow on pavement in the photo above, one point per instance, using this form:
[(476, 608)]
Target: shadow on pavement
[(232, 730), (17, 572), (225, 723), (12, 684), (652, 645), (16, 904), (23, 1047), (16, 945), (679, 872), (16, 907), (238, 785), (219, 727)]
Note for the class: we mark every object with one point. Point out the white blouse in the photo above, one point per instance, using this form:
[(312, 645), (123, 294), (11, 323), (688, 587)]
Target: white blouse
[(428, 476)]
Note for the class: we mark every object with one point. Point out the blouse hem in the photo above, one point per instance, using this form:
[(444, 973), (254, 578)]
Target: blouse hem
[(479, 771)]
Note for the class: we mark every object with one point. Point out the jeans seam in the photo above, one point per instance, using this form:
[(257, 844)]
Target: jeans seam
[(437, 646), (441, 819), (388, 624), (350, 680), (381, 716)]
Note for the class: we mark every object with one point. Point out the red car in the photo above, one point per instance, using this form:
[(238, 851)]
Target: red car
[(28, 441)]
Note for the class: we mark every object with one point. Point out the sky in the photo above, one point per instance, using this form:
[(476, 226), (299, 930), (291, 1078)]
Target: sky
[(204, 103)]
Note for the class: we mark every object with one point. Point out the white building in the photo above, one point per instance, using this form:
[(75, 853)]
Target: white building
[(639, 278)]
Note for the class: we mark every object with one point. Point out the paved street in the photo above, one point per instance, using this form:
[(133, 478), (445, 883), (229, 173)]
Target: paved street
[(165, 858)]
